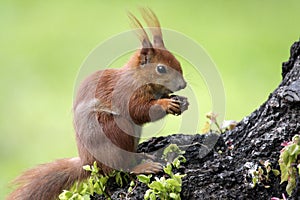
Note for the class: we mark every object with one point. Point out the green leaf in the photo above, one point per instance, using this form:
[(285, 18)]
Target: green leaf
[(132, 183), (95, 165), (91, 185), (177, 189), (284, 172), (65, 195), (119, 179), (296, 139), (80, 197), (174, 196), (144, 179), (95, 168), (285, 157), (152, 196), (287, 160), (172, 148), (173, 182), (254, 181), (275, 172), (75, 196), (166, 188), (147, 194), (87, 197), (103, 180), (176, 163), (87, 168), (168, 169), (294, 149), (155, 185), (84, 189), (291, 185), (179, 177), (96, 187), (181, 158)]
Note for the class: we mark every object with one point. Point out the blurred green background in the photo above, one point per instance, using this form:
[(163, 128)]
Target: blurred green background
[(43, 44)]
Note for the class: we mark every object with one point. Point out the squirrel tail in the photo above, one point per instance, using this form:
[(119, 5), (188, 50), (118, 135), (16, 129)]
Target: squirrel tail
[(47, 181)]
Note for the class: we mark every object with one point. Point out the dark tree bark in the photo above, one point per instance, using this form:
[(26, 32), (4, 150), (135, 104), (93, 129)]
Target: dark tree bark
[(213, 175)]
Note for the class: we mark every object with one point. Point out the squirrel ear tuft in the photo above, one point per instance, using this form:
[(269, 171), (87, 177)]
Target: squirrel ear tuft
[(147, 50), (154, 26), (140, 31)]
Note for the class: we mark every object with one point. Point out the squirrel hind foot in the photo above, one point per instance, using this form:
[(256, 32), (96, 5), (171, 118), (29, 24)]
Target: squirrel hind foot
[(147, 168)]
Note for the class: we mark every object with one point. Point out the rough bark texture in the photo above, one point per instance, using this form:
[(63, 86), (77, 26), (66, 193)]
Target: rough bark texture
[(211, 175)]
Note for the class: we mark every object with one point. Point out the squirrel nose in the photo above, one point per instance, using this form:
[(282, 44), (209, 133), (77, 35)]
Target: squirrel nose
[(183, 85)]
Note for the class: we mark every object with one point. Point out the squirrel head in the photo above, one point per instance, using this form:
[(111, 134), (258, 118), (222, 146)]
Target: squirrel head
[(153, 63)]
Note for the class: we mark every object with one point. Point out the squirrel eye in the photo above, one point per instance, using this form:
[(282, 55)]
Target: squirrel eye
[(161, 69)]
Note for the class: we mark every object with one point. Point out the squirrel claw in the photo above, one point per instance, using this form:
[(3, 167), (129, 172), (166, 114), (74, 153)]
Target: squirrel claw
[(147, 168), (174, 107), (182, 101)]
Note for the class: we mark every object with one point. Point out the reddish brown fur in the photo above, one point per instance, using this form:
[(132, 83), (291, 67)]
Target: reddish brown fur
[(110, 107), (48, 179)]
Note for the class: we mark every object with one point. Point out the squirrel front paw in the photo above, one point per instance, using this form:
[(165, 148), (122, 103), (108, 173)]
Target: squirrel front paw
[(183, 102), (170, 106), (174, 105)]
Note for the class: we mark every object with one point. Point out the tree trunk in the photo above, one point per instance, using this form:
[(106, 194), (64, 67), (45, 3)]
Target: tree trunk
[(212, 174)]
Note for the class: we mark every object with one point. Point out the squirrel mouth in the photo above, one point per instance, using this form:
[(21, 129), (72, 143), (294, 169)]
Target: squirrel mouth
[(167, 93)]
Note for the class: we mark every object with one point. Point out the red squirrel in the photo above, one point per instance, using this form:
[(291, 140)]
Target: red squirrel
[(109, 110)]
